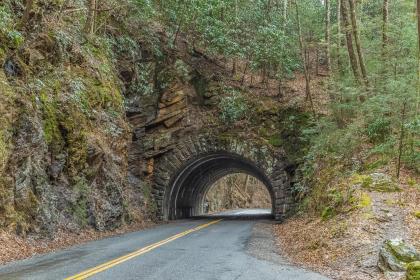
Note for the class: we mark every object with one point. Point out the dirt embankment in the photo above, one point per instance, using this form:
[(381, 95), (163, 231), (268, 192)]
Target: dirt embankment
[(346, 246)]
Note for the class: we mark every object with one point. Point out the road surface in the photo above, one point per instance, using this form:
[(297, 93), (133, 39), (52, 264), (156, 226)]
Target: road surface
[(201, 249)]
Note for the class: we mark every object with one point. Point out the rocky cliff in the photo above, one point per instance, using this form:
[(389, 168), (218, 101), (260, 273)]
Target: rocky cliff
[(84, 118)]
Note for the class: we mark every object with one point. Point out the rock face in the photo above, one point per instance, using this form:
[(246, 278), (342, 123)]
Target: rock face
[(395, 255), (89, 129)]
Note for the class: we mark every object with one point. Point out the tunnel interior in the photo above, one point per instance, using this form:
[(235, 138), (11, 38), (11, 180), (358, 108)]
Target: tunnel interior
[(188, 188)]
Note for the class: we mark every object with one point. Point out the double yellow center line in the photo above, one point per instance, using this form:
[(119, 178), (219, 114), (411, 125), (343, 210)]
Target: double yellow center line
[(94, 270)]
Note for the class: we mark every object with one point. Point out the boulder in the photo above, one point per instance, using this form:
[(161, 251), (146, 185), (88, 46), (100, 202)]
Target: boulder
[(379, 182), (413, 271), (395, 255)]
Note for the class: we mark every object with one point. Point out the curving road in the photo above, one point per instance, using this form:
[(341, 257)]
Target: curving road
[(189, 249)]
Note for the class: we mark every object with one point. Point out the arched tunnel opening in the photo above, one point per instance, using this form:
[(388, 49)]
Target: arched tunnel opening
[(186, 196), (237, 195)]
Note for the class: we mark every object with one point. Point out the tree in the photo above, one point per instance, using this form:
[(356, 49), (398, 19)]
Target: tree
[(349, 40), (327, 33), (304, 61), (339, 43), (401, 138), (357, 40), (90, 20), (285, 4), (418, 52), (384, 25)]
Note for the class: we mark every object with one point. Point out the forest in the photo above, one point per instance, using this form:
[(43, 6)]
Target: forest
[(92, 98)]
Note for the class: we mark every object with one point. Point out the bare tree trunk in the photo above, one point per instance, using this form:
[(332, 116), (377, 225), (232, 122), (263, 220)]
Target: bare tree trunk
[(246, 183), (327, 33), (317, 61), (285, 4), (385, 25), (90, 21), (402, 132), (349, 41), (28, 8), (339, 42), (357, 40), (418, 54), (305, 65)]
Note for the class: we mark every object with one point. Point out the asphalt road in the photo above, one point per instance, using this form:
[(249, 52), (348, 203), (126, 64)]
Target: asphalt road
[(188, 249)]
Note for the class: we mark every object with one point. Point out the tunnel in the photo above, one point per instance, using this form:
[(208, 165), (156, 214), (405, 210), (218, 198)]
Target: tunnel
[(184, 175), (189, 187)]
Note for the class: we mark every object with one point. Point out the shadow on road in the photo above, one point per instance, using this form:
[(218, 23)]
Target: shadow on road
[(239, 214)]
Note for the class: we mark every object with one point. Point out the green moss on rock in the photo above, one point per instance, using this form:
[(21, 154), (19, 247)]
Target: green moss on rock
[(365, 200), (395, 255), (413, 271), (275, 141), (376, 182), (7, 114)]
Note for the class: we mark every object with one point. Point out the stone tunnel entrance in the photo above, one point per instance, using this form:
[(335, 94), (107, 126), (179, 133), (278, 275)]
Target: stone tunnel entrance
[(184, 175), (189, 187)]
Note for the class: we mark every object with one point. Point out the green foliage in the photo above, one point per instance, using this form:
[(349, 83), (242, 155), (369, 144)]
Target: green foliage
[(182, 70), (378, 130), (275, 141), (327, 213), (50, 120), (9, 36), (232, 106), (254, 30), (79, 207), (15, 38)]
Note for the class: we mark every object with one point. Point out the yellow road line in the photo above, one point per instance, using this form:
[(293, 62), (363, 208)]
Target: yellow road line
[(94, 270)]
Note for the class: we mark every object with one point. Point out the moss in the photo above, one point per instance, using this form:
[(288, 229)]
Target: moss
[(402, 251), (417, 214), (9, 36), (327, 213), (413, 271), (7, 115), (376, 164), (79, 208), (365, 200), (275, 141), (52, 133), (76, 140), (375, 182), (411, 182), (364, 180)]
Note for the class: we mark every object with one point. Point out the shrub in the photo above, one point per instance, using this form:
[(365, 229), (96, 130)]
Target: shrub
[(378, 130), (232, 106)]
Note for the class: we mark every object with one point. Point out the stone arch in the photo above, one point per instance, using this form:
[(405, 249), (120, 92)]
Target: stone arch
[(184, 174)]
